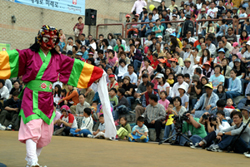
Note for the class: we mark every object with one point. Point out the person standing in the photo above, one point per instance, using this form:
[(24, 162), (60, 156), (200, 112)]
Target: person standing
[(78, 28)]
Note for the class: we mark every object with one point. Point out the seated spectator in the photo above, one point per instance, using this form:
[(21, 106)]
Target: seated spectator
[(230, 104), (180, 60), (180, 81), (10, 112), (240, 69), (135, 54), (234, 88), (193, 126), (16, 87), (246, 55), (154, 62), (183, 96), (129, 90), (112, 96), (221, 92), (218, 60), (99, 133), (223, 29), (246, 99), (154, 114), (221, 48), (158, 28), (112, 60), (245, 114), (124, 57), (4, 92), (207, 71), (206, 57), (72, 97), (86, 127), (89, 94), (164, 101), (139, 132), (149, 29), (175, 66), (125, 129), (220, 124), (131, 74), (211, 47), (188, 69), (198, 72), (79, 108), (113, 83), (57, 93), (226, 136), (150, 90), (133, 30), (217, 78), (226, 71), (162, 84), (194, 91), (122, 107), (146, 66), (65, 123), (207, 102), (170, 80)]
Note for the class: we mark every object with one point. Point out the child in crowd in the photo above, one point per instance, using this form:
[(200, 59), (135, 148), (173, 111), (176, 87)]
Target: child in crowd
[(236, 48), (124, 129), (112, 60), (231, 64), (154, 61), (184, 97), (112, 97), (124, 57), (164, 101), (94, 111), (170, 79), (230, 103), (86, 127), (122, 69), (139, 131), (221, 92), (100, 131)]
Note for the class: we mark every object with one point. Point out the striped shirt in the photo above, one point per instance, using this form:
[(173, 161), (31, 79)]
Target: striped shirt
[(142, 130), (156, 112)]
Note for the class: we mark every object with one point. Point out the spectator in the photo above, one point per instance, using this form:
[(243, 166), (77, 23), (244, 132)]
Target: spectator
[(226, 71), (207, 71), (194, 91), (158, 28), (221, 46), (86, 127), (211, 47), (79, 109), (189, 37), (172, 6), (175, 66), (83, 40), (234, 88), (245, 114), (241, 71), (188, 69), (85, 53), (244, 37), (180, 81), (154, 114), (112, 60), (8, 84), (143, 26), (72, 97), (230, 104), (16, 87), (118, 44), (246, 55), (142, 87), (100, 133), (155, 14), (137, 7), (111, 40), (9, 114), (149, 29), (217, 78), (4, 92), (187, 26), (78, 28), (125, 129), (162, 84), (183, 96), (122, 107), (162, 7), (57, 93), (112, 96), (139, 131), (66, 122), (218, 60), (131, 74), (129, 90), (246, 99), (135, 54), (207, 102), (221, 92), (212, 12), (231, 37), (147, 67), (145, 97), (227, 135), (113, 83), (193, 126)]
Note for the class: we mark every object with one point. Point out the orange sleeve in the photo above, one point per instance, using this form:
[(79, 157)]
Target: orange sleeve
[(68, 97)]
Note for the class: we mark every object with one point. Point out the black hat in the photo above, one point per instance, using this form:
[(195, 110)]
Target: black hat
[(69, 52), (145, 76)]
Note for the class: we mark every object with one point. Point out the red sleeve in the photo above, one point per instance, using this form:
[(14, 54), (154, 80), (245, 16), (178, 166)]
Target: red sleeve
[(61, 116), (71, 118), (116, 84)]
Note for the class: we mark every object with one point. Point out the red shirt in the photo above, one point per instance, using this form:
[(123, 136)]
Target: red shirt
[(69, 119), (232, 107), (154, 64), (150, 58)]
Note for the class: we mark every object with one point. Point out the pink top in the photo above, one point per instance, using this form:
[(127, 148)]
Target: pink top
[(150, 70), (155, 82), (165, 103), (235, 50), (239, 55), (112, 61)]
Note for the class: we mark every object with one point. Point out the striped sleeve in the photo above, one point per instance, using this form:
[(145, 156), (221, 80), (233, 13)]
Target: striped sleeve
[(9, 64), (83, 74)]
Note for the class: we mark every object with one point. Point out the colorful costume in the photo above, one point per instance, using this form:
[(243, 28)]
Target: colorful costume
[(39, 72)]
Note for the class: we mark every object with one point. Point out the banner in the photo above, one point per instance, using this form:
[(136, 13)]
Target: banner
[(68, 6), (4, 46)]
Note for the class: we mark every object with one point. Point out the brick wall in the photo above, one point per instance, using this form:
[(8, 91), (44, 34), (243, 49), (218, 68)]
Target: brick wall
[(30, 19)]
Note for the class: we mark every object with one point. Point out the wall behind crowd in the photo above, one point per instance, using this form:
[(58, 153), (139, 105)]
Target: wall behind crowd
[(30, 19)]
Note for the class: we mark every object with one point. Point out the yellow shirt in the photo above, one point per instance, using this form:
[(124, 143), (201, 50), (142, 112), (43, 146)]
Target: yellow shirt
[(171, 7)]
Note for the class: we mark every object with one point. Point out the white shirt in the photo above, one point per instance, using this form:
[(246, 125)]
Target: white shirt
[(122, 70), (186, 54), (94, 86), (133, 77), (155, 17), (199, 6), (8, 84), (211, 48), (229, 46), (211, 12), (191, 39), (87, 123), (246, 55), (4, 92), (189, 70), (175, 91), (68, 47), (163, 88), (66, 119)]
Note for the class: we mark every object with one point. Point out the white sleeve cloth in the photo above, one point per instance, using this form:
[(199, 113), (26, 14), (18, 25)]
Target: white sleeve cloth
[(110, 129)]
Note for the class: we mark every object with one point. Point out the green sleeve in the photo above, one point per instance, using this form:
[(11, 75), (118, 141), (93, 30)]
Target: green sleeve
[(116, 101), (128, 127)]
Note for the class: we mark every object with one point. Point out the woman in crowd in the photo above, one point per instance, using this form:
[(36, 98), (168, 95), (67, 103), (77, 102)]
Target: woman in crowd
[(111, 40), (16, 87), (71, 97), (226, 71), (118, 44), (205, 57), (57, 93), (78, 28)]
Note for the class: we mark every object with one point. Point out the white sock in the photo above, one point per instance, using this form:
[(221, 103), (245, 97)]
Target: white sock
[(38, 151), (31, 156)]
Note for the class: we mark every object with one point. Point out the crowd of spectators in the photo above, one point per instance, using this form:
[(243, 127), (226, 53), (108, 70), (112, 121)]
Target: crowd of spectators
[(161, 70)]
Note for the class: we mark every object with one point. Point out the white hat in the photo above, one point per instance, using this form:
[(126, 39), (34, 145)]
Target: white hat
[(160, 75), (159, 36), (182, 86), (248, 43), (110, 47)]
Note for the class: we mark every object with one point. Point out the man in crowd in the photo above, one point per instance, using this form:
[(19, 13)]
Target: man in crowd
[(188, 69), (154, 114), (180, 81), (135, 54), (79, 108), (187, 26), (210, 46), (122, 106), (132, 75)]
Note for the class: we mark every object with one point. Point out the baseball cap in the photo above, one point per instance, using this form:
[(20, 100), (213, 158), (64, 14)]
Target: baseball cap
[(173, 59), (203, 9), (79, 53), (111, 76), (209, 85), (159, 75), (207, 63), (91, 53), (248, 43), (168, 9), (110, 47), (128, 16), (65, 108), (69, 52), (245, 108), (187, 60), (221, 50), (237, 60), (174, 15), (162, 60), (235, 44)]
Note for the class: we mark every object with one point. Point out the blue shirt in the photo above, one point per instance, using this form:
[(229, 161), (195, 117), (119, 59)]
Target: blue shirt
[(142, 130), (158, 28), (85, 55), (216, 80), (234, 85), (147, 20)]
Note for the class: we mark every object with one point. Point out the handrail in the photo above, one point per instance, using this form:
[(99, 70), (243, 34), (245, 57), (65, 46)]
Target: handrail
[(113, 24)]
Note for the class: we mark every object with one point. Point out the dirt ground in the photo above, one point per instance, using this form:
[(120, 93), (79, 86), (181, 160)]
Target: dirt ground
[(71, 152)]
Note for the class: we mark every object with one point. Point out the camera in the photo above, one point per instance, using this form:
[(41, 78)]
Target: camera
[(179, 121), (211, 117), (205, 116)]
